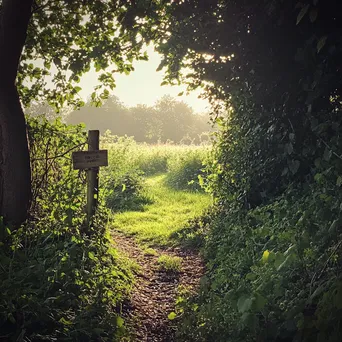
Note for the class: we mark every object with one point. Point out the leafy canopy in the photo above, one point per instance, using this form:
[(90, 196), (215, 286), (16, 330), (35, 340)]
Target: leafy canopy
[(66, 38)]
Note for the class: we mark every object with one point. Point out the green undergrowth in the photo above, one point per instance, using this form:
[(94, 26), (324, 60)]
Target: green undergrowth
[(273, 272), (160, 220), (272, 245), (58, 284), (60, 280)]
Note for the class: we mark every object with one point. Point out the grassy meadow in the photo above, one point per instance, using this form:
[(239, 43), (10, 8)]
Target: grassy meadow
[(168, 213), (154, 190)]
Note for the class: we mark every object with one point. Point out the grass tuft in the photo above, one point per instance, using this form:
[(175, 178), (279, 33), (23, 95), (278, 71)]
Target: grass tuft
[(170, 264)]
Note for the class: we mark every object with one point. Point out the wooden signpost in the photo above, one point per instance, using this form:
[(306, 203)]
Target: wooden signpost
[(90, 161)]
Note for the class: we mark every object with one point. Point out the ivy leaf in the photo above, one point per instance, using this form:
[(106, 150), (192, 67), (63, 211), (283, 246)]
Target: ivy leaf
[(289, 148)]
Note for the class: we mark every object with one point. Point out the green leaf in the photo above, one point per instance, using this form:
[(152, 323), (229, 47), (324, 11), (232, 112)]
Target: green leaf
[(290, 250), (279, 259), (91, 255), (171, 316), (244, 303), (339, 181), (251, 276), (119, 322), (333, 227), (65, 321), (200, 180), (321, 43), (259, 302), (302, 13), (289, 148)]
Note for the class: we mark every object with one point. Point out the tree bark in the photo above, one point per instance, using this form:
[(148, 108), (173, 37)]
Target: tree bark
[(15, 172)]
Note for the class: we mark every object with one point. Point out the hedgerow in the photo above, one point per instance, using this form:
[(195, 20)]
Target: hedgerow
[(60, 280), (273, 248)]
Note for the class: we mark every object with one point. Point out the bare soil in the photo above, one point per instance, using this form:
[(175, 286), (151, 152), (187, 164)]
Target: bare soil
[(155, 291)]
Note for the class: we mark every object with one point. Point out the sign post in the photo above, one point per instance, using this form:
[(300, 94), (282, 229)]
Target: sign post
[(90, 161)]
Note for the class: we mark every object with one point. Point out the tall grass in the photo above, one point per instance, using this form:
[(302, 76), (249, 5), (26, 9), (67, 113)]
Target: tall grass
[(128, 159)]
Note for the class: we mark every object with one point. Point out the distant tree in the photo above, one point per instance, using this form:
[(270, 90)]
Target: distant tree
[(43, 108), (167, 119), (176, 117), (146, 124), (112, 115)]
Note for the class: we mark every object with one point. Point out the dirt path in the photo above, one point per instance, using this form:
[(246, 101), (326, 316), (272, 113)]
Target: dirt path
[(155, 291)]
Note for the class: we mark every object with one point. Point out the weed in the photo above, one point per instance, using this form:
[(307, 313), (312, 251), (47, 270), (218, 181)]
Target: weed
[(170, 264), (150, 251)]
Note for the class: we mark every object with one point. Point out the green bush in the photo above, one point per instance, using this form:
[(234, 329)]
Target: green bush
[(121, 181), (274, 273), (126, 192), (274, 249), (186, 170), (60, 280)]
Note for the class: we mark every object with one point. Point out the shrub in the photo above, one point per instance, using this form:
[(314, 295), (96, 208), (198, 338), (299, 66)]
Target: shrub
[(122, 182), (273, 257), (125, 192), (60, 280), (186, 170)]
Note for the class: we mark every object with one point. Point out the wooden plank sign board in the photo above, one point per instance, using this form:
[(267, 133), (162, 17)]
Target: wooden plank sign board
[(88, 159)]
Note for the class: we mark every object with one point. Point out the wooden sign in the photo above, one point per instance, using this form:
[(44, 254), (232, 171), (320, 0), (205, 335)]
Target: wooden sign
[(88, 159)]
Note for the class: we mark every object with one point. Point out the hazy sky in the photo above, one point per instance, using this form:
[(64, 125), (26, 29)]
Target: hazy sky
[(142, 86)]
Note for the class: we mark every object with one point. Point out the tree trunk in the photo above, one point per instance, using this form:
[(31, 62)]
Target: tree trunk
[(15, 173)]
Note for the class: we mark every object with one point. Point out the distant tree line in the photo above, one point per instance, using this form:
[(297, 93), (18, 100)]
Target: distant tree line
[(169, 119)]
